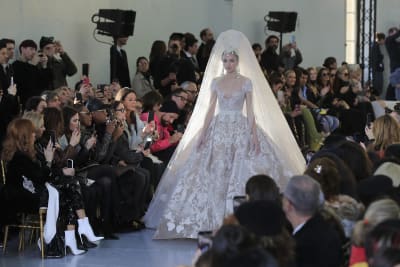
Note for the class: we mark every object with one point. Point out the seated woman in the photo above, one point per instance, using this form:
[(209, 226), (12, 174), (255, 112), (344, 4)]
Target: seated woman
[(26, 177), (99, 179), (142, 82), (64, 178), (139, 133), (129, 160)]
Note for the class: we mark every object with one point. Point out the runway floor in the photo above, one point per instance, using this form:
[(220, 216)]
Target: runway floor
[(132, 249)]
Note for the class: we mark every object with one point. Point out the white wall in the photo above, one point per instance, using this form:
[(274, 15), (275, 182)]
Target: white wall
[(319, 33), (387, 15), (320, 28)]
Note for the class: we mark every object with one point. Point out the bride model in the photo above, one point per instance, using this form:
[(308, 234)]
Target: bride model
[(237, 130)]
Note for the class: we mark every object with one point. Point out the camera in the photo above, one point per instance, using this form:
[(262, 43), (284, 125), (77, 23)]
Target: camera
[(180, 128), (148, 142), (397, 107), (204, 240), (237, 201)]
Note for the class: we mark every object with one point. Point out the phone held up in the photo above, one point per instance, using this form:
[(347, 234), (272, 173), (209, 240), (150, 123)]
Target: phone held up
[(53, 138), (70, 163), (204, 240)]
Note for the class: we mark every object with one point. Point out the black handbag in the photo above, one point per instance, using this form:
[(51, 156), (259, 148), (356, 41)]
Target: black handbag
[(56, 248)]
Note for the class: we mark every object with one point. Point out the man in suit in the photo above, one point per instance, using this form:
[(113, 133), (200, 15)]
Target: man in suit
[(204, 51), (6, 69), (269, 58), (119, 68), (392, 43), (317, 242)]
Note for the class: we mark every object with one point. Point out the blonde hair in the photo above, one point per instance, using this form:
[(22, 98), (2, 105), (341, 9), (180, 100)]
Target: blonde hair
[(35, 118), (377, 212), (386, 131)]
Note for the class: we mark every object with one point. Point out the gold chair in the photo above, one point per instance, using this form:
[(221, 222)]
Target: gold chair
[(33, 222)]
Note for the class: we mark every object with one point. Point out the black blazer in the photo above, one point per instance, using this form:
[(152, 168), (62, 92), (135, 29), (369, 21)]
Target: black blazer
[(318, 244), (119, 68)]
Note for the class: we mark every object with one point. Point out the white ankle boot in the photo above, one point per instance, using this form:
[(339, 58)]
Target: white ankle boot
[(70, 242), (85, 229)]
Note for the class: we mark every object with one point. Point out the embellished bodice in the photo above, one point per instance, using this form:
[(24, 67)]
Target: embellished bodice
[(235, 99)]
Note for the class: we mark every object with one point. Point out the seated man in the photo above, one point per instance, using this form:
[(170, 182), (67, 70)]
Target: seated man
[(164, 146), (317, 243)]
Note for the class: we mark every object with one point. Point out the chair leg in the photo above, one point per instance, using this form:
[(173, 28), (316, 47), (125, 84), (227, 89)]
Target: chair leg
[(41, 233), (5, 238), (21, 239)]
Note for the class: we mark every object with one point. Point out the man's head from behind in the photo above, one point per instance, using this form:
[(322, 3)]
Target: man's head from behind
[(302, 197)]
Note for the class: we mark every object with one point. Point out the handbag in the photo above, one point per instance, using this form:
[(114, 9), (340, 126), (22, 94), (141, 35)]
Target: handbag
[(56, 248)]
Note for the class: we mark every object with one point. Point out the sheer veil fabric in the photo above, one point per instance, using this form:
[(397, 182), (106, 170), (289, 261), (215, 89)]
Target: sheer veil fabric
[(268, 116)]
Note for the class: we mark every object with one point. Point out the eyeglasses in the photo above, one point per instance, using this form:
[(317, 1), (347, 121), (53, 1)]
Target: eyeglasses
[(101, 110), (333, 75), (325, 74), (182, 98), (85, 113), (191, 92), (121, 110)]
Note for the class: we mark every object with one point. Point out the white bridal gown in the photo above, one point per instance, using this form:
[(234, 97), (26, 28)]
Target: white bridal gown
[(196, 191)]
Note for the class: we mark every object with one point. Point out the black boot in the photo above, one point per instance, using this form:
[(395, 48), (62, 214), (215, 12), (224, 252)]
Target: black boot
[(83, 244), (108, 231)]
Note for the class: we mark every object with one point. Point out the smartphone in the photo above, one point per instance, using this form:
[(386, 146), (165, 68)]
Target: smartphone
[(237, 201), (78, 97), (369, 120), (150, 118), (204, 240), (293, 39), (53, 137), (85, 69), (70, 163)]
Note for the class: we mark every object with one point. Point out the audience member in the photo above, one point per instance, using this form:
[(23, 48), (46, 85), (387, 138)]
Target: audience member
[(119, 68), (142, 82)]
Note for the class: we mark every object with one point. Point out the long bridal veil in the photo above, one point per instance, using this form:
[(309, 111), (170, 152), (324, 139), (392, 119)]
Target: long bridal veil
[(268, 115)]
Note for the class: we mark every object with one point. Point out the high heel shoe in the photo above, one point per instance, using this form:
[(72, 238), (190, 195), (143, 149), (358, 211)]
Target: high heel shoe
[(84, 229), (83, 243), (70, 243)]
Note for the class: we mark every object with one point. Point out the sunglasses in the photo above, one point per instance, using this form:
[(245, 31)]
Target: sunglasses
[(121, 110)]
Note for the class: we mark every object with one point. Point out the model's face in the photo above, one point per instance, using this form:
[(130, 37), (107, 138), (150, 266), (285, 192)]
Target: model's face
[(130, 102), (3, 56), (74, 122), (230, 62), (120, 112)]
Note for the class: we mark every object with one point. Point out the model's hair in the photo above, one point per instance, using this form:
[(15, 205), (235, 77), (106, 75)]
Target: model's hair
[(54, 121), (386, 131), (230, 52), (19, 138), (262, 187), (377, 212), (324, 171)]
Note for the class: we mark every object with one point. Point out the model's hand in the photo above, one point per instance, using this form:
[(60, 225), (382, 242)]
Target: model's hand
[(255, 144)]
